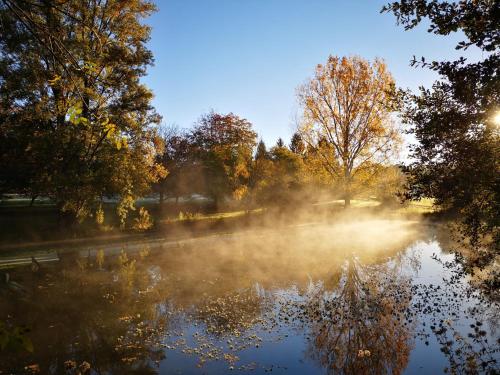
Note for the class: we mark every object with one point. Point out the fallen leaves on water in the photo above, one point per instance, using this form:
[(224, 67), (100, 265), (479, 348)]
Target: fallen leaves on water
[(33, 369), (364, 353)]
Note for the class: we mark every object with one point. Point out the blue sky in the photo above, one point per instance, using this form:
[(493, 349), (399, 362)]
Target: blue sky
[(248, 56)]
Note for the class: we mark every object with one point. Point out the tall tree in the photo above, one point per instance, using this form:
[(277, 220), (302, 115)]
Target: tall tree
[(347, 104), (297, 144), (224, 144), (458, 151), (72, 104), (260, 173), (261, 152)]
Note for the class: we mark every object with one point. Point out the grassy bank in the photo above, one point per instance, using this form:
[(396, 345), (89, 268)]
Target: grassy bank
[(39, 225)]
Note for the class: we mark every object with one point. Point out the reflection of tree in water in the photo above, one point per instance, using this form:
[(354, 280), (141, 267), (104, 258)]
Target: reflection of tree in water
[(463, 318), (117, 314), (210, 292), (467, 355), (80, 313), (474, 260), (360, 327)]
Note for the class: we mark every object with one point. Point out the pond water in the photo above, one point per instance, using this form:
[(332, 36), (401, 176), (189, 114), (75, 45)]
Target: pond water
[(375, 296)]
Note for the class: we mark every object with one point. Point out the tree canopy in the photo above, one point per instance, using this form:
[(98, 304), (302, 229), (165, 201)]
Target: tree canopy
[(457, 154), (76, 122), (347, 105), (224, 145)]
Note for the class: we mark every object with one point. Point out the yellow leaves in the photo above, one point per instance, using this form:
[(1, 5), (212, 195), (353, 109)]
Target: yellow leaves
[(127, 269), (54, 80), (112, 134), (241, 169), (126, 204), (121, 142), (347, 105), (346, 92), (74, 115), (99, 215), (143, 221), (158, 171), (109, 129), (231, 358), (240, 192), (144, 252), (122, 258), (118, 144)]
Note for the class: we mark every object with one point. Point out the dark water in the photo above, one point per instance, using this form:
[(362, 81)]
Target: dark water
[(373, 297)]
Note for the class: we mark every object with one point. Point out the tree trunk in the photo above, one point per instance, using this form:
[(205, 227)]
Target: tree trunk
[(347, 201), (347, 188), (216, 203), (161, 198)]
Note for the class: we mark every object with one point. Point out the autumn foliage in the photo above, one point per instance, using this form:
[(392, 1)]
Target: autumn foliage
[(347, 106)]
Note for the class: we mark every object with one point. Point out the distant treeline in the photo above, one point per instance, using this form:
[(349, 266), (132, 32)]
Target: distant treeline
[(221, 159)]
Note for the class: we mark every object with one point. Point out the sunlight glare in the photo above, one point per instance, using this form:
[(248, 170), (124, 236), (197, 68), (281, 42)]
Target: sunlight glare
[(496, 119)]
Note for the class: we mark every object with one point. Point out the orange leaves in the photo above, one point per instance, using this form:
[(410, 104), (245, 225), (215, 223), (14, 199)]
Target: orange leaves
[(347, 104), (240, 192)]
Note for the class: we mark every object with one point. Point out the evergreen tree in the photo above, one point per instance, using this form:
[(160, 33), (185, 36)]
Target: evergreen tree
[(297, 144), (261, 152)]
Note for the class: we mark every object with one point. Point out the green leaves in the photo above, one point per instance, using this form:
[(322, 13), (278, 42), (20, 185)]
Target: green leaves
[(74, 116), (90, 68)]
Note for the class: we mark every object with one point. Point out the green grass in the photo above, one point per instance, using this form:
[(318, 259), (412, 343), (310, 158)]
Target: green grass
[(423, 206), (354, 203), (21, 224), (187, 216)]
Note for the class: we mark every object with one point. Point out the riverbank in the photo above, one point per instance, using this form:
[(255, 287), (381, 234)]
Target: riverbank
[(24, 228)]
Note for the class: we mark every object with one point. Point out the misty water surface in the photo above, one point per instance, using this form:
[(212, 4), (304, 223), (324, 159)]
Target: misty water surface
[(371, 297)]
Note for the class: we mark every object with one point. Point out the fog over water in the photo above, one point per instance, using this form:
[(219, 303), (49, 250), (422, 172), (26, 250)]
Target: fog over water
[(368, 295)]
